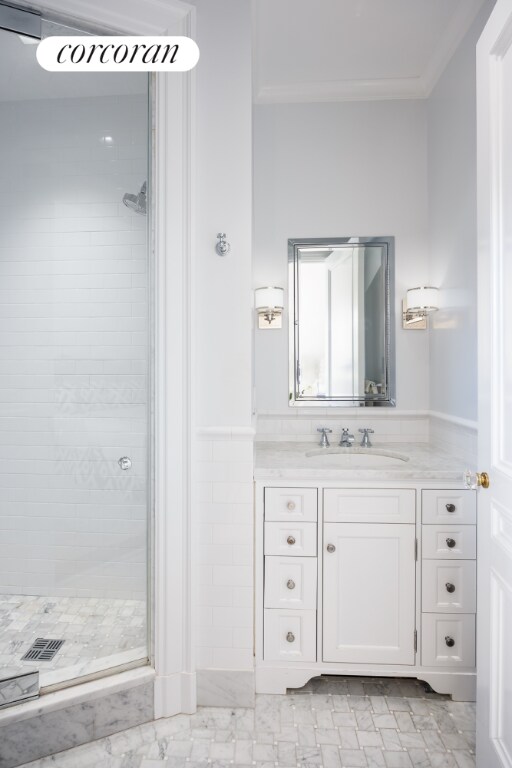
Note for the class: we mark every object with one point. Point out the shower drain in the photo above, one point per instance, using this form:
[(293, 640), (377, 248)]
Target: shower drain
[(43, 650)]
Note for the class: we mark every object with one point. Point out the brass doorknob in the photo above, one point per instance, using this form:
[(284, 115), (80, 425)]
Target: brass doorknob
[(476, 479)]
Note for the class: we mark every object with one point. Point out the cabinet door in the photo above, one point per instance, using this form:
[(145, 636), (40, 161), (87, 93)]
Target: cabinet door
[(369, 593)]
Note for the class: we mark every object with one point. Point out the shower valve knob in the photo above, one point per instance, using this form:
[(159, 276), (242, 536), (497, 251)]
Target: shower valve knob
[(125, 462), (222, 247)]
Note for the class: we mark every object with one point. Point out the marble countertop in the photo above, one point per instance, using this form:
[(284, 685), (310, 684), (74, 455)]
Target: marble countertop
[(309, 461)]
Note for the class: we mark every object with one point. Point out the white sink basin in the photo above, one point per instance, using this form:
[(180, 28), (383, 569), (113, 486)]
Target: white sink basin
[(355, 458)]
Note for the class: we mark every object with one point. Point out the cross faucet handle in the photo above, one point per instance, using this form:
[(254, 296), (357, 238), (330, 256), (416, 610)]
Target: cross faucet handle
[(324, 441), (366, 432)]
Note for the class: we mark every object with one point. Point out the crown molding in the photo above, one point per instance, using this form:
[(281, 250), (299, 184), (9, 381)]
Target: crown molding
[(342, 90)]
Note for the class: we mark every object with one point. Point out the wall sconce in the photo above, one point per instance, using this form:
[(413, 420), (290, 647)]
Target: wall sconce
[(419, 303), (269, 303)]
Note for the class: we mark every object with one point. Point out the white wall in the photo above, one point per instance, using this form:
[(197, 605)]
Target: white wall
[(73, 348), (340, 169), (222, 345), (223, 316), (452, 225)]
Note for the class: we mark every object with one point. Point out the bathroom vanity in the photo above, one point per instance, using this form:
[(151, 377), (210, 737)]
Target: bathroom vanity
[(365, 565)]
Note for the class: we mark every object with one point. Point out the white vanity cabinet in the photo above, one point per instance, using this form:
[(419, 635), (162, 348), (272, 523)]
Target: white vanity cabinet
[(365, 580), (369, 593)]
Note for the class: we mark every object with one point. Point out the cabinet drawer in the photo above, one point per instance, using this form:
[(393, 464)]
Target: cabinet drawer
[(438, 632), (291, 539), (290, 582), (369, 505), (293, 504), (448, 587), (449, 542), (289, 635), (449, 507)]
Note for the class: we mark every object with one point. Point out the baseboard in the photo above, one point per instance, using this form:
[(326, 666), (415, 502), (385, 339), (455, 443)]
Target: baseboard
[(225, 688), (174, 694)]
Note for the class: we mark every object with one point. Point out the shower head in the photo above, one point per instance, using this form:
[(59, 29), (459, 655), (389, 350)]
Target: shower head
[(136, 203)]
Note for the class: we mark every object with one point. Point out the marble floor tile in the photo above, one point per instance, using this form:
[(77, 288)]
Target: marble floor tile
[(98, 634), (308, 728)]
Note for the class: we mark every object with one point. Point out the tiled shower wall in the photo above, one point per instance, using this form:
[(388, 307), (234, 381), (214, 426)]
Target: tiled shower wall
[(73, 347)]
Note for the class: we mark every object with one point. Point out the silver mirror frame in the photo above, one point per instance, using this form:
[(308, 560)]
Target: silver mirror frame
[(389, 400)]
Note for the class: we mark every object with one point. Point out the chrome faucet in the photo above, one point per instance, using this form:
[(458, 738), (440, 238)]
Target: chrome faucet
[(346, 439), (324, 441), (366, 442)]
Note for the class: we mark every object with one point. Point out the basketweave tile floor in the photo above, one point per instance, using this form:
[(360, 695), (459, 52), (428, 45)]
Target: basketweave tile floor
[(331, 722), (98, 633)]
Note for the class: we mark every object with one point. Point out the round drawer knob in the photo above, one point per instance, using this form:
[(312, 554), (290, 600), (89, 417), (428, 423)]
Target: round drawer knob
[(290, 584), (450, 587), (450, 642), (450, 543), (331, 548), (290, 637), (291, 540), (450, 507), (291, 506)]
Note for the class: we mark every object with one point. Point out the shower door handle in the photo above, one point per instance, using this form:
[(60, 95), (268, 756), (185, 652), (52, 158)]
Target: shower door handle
[(125, 462)]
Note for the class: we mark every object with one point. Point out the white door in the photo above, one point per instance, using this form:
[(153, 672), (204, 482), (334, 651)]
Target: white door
[(369, 593), (494, 629)]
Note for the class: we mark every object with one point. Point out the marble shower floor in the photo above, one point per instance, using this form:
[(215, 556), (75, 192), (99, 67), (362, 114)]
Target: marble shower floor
[(99, 634), (332, 722)]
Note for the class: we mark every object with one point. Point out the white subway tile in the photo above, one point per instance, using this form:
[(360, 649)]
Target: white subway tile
[(218, 554), (232, 493), (232, 575), (233, 658), (237, 534), (215, 596), (214, 637)]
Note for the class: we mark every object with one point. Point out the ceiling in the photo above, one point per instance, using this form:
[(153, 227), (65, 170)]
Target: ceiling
[(337, 50)]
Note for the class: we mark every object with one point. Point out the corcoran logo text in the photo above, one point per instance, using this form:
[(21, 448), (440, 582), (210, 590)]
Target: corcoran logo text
[(117, 54)]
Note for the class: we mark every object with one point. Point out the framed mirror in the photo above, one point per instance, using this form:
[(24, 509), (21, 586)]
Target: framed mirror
[(342, 349)]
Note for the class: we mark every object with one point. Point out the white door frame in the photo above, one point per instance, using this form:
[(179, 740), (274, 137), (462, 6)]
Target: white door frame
[(172, 142)]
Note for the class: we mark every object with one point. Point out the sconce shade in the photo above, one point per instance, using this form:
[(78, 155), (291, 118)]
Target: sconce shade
[(423, 299), (269, 298)]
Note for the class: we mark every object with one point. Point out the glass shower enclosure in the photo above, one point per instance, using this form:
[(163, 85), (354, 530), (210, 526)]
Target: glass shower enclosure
[(74, 367)]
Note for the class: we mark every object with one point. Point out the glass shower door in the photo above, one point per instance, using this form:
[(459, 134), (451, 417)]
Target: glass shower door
[(74, 368)]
